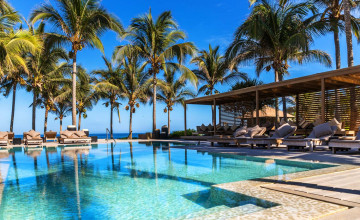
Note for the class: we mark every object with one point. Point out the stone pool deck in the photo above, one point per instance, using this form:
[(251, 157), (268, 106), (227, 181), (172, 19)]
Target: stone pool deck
[(328, 193)]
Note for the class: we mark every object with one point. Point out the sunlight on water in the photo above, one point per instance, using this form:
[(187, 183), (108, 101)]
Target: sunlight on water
[(129, 180)]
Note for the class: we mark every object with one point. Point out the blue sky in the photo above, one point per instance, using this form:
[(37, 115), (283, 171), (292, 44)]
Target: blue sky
[(205, 22)]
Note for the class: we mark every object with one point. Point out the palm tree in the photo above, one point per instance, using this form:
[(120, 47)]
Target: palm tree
[(214, 69), (87, 97), (108, 86), (50, 88), (332, 15), (9, 83), (8, 16), (79, 23), (274, 35), (61, 110), (14, 46), (156, 41), (173, 92), (134, 84), (42, 65)]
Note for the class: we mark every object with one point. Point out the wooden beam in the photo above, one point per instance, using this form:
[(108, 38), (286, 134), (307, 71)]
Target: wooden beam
[(185, 119), (347, 79), (323, 100), (257, 107)]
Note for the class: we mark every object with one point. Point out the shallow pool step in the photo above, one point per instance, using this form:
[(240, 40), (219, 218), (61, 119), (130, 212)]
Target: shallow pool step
[(231, 212), (206, 212)]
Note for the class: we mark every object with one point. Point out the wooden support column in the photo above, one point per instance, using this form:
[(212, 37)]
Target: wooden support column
[(257, 107), (220, 114), (297, 109), (185, 119), (214, 116), (323, 100)]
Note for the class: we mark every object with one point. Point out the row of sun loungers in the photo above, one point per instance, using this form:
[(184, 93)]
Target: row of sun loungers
[(34, 138), (321, 135)]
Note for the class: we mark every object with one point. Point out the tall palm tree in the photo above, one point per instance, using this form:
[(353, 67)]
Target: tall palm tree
[(135, 82), (79, 23), (42, 65), (214, 69), (157, 41), (173, 92), (332, 14), (274, 35), (8, 16), (107, 84)]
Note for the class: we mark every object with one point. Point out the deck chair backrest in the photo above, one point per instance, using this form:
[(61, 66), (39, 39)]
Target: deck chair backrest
[(284, 131), (323, 131)]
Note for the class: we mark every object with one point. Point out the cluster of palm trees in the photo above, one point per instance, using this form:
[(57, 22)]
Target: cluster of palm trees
[(152, 66)]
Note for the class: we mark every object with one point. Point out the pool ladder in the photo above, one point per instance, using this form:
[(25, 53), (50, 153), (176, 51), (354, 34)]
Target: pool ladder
[(107, 135)]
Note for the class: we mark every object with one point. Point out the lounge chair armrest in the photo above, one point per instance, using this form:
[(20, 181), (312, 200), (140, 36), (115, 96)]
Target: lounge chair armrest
[(347, 138)]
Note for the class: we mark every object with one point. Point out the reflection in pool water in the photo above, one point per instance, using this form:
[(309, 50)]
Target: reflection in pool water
[(129, 180)]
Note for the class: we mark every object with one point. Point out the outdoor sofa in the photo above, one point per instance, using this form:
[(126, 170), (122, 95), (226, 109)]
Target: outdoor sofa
[(345, 143), (74, 137), (280, 133), (32, 138), (320, 135)]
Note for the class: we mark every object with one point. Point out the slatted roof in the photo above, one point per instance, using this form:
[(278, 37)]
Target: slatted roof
[(335, 79)]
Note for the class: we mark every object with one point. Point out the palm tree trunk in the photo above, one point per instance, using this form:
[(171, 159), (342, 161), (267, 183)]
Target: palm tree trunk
[(111, 121), (13, 108), (168, 121), (46, 118), (348, 33), (79, 125), (34, 110), (350, 57), (154, 103), (60, 124), (130, 124), (338, 66), (283, 99), (276, 101), (74, 91)]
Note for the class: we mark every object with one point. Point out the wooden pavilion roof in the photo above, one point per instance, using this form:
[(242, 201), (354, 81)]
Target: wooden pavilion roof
[(335, 79)]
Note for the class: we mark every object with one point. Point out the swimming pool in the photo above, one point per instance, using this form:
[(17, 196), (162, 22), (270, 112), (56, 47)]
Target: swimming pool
[(149, 180)]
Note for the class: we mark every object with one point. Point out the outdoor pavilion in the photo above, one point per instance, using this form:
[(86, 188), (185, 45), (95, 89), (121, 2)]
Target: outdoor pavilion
[(314, 95)]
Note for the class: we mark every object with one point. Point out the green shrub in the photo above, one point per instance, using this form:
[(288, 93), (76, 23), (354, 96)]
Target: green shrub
[(178, 134)]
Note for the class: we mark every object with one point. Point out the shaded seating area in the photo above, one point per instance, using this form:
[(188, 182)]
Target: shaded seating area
[(50, 136), (317, 98)]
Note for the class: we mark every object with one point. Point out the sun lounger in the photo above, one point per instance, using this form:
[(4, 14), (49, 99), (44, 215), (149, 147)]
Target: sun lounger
[(345, 143), (4, 140), (73, 137), (242, 138), (281, 133), (50, 135), (320, 135), (32, 138)]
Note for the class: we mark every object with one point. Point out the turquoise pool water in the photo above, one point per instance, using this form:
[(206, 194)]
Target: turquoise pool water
[(129, 181)]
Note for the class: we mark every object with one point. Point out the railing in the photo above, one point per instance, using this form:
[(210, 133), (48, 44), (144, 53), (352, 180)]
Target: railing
[(107, 135)]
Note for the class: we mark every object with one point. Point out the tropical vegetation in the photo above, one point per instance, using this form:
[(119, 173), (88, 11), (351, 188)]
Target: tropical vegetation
[(157, 63)]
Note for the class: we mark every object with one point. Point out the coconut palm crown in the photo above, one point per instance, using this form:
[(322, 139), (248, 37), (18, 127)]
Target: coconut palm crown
[(157, 42)]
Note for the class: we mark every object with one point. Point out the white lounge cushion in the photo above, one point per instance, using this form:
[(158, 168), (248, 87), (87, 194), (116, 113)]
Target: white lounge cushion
[(240, 131), (335, 122), (3, 135)]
